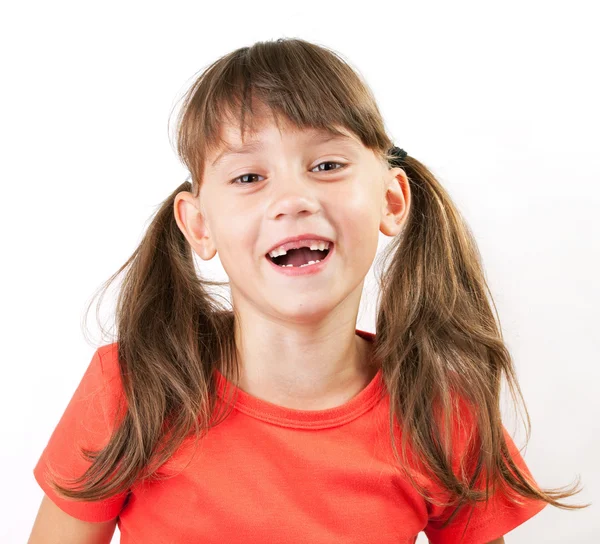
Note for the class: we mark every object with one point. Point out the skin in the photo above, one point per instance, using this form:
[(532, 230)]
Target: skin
[(297, 334)]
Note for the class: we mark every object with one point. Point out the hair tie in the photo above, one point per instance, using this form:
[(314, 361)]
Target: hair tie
[(399, 155)]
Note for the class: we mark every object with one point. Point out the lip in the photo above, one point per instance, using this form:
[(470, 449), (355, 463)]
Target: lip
[(305, 270), (308, 236)]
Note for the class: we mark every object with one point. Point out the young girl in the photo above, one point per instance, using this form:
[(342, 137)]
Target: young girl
[(277, 420)]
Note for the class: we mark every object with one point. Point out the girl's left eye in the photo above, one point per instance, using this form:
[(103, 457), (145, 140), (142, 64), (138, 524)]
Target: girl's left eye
[(236, 181), (332, 162)]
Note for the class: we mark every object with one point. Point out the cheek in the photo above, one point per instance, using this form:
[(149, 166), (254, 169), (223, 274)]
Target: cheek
[(361, 228), (363, 208), (234, 236)]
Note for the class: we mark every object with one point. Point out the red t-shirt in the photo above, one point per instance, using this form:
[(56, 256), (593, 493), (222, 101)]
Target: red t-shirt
[(268, 474)]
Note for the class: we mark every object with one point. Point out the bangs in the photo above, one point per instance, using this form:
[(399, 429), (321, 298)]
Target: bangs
[(303, 84), (250, 117)]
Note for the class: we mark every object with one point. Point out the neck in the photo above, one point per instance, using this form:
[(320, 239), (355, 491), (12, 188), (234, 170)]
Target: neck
[(306, 368)]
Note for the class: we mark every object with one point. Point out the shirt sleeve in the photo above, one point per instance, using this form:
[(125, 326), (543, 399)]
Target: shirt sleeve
[(488, 521), (86, 422)]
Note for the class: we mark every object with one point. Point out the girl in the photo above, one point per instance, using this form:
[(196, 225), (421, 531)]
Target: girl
[(277, 420)]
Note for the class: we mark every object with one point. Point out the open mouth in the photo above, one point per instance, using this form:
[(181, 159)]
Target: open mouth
[(299, 258)]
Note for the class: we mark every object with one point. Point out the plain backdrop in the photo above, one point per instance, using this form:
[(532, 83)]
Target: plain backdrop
[(498, 99)]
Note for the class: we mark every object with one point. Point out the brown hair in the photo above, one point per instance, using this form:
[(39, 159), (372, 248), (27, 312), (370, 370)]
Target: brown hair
[(437, 339)]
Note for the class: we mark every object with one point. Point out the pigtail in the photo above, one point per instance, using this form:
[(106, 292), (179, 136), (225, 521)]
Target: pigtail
[(171, 333), (442, 350)]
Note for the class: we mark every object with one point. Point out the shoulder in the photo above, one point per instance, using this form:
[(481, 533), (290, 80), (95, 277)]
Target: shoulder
[(99, 395), (108, 359), (105, 368), (108, 374), (87, 424)]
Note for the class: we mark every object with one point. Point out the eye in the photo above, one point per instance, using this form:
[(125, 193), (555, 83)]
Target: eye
[(239, 179), (341, 164), (236, 181)]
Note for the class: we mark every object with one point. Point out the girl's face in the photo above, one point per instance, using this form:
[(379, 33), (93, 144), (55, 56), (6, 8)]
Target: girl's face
[(286, 184)]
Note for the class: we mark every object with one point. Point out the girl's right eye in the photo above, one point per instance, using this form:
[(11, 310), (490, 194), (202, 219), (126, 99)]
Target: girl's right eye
[(236, 182)]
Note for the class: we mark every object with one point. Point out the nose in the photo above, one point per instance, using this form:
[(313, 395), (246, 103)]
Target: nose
[(292, 197)]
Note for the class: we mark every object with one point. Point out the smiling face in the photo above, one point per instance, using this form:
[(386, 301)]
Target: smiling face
[(283, 184)]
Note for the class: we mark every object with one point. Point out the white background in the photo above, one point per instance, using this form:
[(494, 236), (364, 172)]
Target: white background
[(499, 99)]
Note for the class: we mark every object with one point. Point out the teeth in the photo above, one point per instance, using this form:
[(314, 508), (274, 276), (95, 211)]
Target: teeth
[(313, 245), (309, 262)]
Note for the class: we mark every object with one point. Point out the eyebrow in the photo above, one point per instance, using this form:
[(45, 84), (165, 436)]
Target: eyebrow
[(258, 145)]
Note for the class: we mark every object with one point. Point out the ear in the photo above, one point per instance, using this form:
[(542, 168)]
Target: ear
[(396, 201), (192, 223)]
